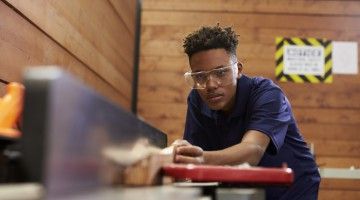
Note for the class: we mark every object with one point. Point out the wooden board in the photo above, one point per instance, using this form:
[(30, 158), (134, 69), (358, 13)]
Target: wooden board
[(22, 44), (81, 28), (247, 20), (325, 194), (230, 174), (270, 6)]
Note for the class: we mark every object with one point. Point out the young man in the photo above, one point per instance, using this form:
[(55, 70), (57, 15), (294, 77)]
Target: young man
[(232, 118)]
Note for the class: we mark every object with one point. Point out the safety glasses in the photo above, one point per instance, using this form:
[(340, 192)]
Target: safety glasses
[(222, 76)]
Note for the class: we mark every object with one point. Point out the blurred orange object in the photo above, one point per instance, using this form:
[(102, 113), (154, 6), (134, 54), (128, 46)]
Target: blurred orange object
[(11, 106)]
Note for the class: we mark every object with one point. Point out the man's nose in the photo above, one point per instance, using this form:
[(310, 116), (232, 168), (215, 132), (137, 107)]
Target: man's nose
[(211, 82)]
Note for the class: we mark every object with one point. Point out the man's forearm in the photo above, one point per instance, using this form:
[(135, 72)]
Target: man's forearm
[(234, 155)]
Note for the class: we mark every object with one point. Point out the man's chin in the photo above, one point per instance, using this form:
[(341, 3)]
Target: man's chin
[(215, 106)]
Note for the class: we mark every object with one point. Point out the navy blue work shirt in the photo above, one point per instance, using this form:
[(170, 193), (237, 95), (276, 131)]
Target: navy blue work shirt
[(259, 105)]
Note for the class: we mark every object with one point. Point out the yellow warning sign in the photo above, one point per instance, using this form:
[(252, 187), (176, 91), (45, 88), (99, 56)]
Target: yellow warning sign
[(303, 60)]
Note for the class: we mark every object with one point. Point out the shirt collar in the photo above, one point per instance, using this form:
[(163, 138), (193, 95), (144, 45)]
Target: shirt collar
[(243, 88)]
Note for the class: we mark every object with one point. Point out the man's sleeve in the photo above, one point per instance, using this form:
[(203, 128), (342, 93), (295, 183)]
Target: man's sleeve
[(193, 128), (271, 115)]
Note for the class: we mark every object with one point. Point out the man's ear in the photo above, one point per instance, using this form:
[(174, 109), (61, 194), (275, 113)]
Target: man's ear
[(240, 67)]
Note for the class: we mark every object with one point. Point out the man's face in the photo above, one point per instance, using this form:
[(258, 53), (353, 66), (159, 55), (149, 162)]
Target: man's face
[(216, 95)]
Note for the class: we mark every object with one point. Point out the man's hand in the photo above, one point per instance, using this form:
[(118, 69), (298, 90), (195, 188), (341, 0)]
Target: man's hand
[(188, 153)]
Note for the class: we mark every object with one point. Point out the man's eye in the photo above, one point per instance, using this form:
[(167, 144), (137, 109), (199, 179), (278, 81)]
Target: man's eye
[(200, 77), (221, 73)]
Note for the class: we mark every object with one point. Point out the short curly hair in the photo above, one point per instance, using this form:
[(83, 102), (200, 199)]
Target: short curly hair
[(211, 38)]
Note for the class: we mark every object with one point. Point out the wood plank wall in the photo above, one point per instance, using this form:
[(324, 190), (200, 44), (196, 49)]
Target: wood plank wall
[(328, 114), (94, 40)]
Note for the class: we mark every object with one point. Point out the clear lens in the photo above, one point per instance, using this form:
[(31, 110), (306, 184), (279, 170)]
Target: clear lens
[(189, 79), (223, 76)]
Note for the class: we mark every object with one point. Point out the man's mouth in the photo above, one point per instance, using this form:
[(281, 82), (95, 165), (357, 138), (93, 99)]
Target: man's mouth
[(214, 98)]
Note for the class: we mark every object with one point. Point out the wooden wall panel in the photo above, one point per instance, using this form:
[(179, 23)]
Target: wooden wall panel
[(249, 20), (269, 6), (338, 194), (96, 34), (342, 94), (328, 114), (127, 11)]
